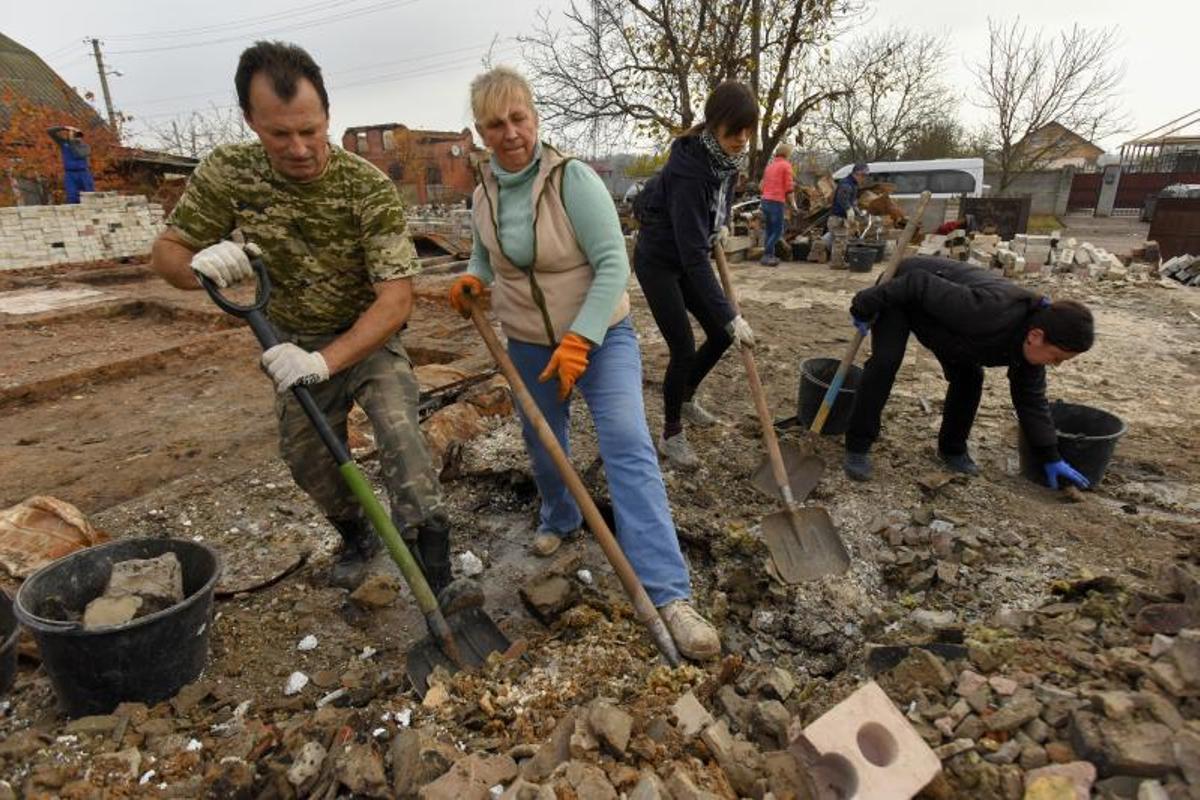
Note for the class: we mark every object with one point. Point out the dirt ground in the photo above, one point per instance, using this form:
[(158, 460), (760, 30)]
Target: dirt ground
[(146, 409)]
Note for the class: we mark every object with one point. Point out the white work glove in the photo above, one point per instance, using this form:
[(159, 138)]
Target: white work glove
[(723, 235), (224, 263), (740, 330), (289, 365)]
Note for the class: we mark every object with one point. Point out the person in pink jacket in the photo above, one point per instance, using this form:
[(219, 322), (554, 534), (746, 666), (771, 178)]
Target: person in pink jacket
[(777, 189)]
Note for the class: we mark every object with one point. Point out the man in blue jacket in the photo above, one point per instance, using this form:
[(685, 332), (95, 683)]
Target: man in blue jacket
[(77, 173), (844, 211)]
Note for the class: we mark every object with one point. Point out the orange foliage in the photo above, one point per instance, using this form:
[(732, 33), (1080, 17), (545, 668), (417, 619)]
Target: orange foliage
[(27, 151)]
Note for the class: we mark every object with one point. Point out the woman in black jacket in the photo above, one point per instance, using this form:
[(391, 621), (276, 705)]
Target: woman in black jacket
[(683, 211)]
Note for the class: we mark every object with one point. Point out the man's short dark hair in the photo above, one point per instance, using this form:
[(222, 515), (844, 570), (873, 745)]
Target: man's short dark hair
[(1068, 325), (284, 64)]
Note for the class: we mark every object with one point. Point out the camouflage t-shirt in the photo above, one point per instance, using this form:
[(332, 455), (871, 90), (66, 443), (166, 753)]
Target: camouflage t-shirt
[(324, 242)]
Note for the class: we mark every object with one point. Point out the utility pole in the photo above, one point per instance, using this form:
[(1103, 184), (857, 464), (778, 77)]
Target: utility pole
[(755, 55), (112, 115)]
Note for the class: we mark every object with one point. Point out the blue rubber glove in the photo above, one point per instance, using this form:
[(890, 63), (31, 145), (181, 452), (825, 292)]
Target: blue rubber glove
[(1061, 469), (861, 325)]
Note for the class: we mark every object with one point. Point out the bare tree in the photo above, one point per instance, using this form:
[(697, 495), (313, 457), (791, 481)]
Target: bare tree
[(1029, 80), (643, 68), (944, 137), (891, 91), (198, 133)]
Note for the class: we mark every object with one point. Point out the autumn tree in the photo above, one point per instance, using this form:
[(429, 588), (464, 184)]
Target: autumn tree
[(944, 137), (1028, 79), (28, 154), (643, 68), (890, 91)]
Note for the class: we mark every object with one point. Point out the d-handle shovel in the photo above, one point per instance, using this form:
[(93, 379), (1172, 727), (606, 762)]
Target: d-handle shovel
[(464, 642), (803, 542), (642, 606), (835, 385)]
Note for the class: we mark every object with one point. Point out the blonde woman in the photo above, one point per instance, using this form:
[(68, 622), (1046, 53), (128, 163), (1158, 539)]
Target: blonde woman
[(548, 241)]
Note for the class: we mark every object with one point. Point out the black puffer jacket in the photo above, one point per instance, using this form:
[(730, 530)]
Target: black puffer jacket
[(680, 211), (969, 315)]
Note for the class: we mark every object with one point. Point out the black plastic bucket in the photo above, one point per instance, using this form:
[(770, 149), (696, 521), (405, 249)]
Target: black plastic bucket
[(815, 377), (860, 258), (8, 643), (1087, 439), (800, 248), (146, 660)]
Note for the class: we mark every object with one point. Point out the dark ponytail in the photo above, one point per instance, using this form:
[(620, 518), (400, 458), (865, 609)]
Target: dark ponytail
[(730, 107)]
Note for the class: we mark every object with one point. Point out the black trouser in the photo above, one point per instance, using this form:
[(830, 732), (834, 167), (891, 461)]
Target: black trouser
[(671, 295), (889, 337)]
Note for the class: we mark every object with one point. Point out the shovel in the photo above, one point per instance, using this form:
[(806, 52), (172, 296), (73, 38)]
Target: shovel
[(803, 542), (839, 377), (461, 638), (645, 610)]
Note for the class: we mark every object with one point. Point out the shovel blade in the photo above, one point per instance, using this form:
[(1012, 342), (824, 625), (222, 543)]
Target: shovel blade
[(805, 544), (477, 637), (804, 471)]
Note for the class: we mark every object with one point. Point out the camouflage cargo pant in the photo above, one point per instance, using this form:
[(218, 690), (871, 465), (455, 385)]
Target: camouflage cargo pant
[(839, 230), (384, 387)]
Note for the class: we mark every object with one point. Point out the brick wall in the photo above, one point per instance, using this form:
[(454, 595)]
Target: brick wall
[(104, 225)]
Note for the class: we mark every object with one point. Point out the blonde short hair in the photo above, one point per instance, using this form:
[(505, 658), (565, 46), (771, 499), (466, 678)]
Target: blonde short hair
[(496, 91), (784, 150)]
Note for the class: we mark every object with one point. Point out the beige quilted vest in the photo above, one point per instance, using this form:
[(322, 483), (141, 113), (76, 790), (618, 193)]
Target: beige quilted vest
[(560, 269)]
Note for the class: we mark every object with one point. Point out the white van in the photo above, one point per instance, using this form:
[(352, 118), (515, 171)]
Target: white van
[(943, 177)]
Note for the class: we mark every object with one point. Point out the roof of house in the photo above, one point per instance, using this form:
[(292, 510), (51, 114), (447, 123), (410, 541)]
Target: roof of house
[(29, 77), (1064, 137)]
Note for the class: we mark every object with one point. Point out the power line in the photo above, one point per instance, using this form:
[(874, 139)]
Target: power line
[(333, 18), (248, 21)]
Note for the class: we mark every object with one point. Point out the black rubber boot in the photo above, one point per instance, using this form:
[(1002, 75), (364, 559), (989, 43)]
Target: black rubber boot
[(433, 552), (857, 466), (961, 463), (359, 546)]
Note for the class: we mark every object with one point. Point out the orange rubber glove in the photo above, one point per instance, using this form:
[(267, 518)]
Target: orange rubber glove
[(569, 361), (465, 285)]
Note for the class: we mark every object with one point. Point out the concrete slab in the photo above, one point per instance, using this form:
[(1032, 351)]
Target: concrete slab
[(39, 301)]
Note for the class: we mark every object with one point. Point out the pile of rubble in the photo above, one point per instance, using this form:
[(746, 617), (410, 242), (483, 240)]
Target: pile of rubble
[(1037, 254), (1185, 269)]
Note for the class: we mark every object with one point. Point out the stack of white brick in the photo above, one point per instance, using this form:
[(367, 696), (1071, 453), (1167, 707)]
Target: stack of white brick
[(103, 225)]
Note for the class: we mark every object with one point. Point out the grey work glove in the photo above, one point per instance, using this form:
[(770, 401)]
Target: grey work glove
[(289, 365), (224, 263), (741, 332)]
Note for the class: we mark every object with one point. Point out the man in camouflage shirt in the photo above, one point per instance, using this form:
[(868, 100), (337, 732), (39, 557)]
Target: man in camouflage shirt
[(333, 237)]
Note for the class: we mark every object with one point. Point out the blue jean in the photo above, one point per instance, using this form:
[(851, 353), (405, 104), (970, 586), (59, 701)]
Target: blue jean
[(76, 181), (612, 387), (773, 216)]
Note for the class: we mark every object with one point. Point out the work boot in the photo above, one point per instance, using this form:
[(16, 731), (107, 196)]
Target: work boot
[(359, 546), (546, 543), (697, 415), (433, 550), (460, 595), (678, 451), (857, 466), (961, 463), (695, 636)]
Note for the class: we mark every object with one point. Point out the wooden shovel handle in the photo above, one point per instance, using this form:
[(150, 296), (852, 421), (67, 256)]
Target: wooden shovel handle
[(642, 605)]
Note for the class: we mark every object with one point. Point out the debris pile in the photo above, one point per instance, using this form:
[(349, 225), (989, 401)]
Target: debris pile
[(1185, 269)]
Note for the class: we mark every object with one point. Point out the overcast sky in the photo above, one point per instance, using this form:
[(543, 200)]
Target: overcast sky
[(410, 60)]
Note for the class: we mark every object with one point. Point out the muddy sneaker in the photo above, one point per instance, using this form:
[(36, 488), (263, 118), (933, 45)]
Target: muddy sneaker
[(961, 463), (545, 544), (695, 636), (857, 466), (696, 414), (678, 451), (359, 546)]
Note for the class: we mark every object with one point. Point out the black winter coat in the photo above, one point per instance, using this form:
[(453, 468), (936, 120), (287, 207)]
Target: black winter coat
[(680, 213), (969, 315)]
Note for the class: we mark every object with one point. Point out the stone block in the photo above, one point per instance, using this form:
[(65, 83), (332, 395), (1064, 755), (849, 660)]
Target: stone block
[(866, 742)]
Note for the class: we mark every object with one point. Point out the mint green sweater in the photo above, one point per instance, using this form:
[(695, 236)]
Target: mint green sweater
[(597, 230)]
